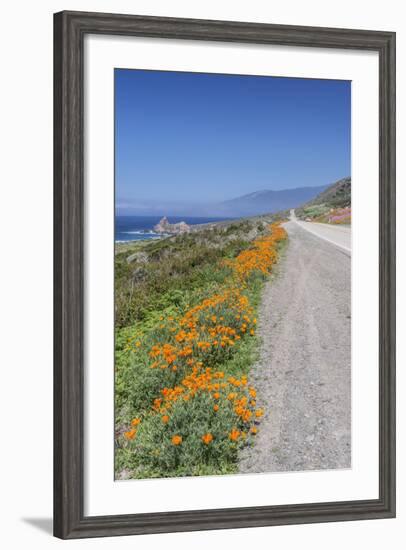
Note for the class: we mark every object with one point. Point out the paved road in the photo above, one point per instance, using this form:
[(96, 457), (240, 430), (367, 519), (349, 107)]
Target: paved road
[(334, 234), (303, 374)]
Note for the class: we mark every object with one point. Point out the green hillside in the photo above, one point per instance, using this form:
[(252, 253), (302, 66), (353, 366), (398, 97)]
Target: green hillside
[(333, 201)]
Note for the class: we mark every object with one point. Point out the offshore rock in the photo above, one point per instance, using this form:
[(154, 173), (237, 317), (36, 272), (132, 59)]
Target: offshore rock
[(173, 228)]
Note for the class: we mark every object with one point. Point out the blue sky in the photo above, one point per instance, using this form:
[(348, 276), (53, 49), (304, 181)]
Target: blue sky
[(191, 137)]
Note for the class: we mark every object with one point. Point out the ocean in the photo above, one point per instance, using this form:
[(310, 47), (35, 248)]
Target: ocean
[(139, 228)]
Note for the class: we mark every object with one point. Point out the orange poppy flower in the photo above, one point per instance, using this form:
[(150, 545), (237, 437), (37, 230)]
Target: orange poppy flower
[(207, 438), (234, 434), (130, 434)]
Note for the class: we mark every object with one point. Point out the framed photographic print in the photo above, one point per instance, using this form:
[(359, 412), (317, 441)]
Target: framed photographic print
[(224, 274)]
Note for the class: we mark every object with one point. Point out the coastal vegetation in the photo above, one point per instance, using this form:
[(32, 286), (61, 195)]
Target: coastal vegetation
[(185, 339)]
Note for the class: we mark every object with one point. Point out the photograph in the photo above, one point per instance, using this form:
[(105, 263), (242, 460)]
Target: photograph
[(203, 333), (232, 274)]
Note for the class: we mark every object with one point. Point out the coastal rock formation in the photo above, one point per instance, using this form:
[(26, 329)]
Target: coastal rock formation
[(175, 228)]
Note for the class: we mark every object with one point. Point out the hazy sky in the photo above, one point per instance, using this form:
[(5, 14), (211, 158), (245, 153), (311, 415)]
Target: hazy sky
[(205, 137)]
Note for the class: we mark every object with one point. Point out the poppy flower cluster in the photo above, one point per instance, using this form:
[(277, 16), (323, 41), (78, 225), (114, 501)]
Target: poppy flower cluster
[(204, 337), (260, 257)]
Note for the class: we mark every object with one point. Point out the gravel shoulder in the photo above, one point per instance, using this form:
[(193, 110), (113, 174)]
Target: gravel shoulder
[(303, 375)]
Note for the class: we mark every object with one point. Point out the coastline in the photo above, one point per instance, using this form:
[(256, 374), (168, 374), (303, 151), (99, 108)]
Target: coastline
[(125, 245)]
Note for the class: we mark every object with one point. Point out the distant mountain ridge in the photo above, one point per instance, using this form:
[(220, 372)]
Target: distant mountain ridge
[(265, 201), (270, 201)]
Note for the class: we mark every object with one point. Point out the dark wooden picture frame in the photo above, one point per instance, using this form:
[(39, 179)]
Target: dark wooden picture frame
[(69, 31)]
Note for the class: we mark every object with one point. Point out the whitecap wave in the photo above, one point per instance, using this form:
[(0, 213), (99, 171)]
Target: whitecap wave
[(151, 236), (139, 232)]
